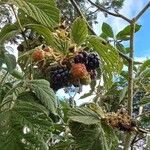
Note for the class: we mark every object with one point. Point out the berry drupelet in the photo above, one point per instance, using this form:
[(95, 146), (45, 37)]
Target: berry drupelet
[(59, 77), (93, 61), (81, 57)]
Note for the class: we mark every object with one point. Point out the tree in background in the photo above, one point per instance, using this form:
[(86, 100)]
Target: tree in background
[(68, 55)]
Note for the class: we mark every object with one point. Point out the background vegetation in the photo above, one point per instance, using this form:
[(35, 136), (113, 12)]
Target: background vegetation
[(49, 34)]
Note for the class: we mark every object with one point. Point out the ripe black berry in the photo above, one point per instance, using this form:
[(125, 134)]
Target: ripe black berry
[(93, 61), (81, 58), (59, 77)]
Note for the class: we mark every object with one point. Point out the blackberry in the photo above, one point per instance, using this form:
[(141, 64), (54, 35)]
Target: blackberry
[(81, 58), (93, 61), (59, 77)]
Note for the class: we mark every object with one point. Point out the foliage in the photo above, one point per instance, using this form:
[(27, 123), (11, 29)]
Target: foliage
[(31, 115)]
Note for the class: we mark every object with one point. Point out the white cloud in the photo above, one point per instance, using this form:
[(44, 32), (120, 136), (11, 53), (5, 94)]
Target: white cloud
[(141, 59), (130, 9)]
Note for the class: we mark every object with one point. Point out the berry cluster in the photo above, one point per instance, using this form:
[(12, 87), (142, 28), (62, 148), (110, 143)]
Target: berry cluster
[(80, 70), (90, 60), (121, 120)]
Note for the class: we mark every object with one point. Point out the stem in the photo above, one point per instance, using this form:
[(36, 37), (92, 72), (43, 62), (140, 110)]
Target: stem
[(127, 141), (142, 12), (130, 69), (101, 8), (130, 83), (91, 30), (81, 14)]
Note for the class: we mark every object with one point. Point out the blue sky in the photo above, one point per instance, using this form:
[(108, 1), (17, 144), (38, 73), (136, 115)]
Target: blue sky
[(142, 38)]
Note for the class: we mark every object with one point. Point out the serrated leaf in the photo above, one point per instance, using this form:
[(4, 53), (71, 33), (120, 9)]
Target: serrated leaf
[(31, 116), (42, 30), (107, 29), (45, 11), (79, 31), (84, 115), (145, 73), (144, 66), (10, 61), (44, 93), (89, 137), (127, 31), (111, 62), (55, 42), (8, 32), (145, 101)]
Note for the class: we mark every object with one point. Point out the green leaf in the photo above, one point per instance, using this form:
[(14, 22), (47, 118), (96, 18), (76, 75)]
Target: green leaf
[(42, 30), (55, 42), (145, 73), (87, 137), (45, 11), (107, 29), (144, 66), (123, 93), (79, 31), (148, 142), (127, 31), (8, 32), (22, 120), (17, 74), (111, 62), (120, 47), (145, 101), (10, 61), (104, 36), (84, 115), (44, 93)]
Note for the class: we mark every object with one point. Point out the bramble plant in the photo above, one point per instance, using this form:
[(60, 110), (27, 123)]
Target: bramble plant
[(57, 52)]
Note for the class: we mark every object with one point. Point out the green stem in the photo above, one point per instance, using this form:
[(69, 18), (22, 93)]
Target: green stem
[(130, 69), (130, 83)]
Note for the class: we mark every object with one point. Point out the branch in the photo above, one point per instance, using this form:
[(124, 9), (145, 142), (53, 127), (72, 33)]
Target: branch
[(108, 12), (130, 83), (91, 30), (130, 70), (81, 14), (142, 12)]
